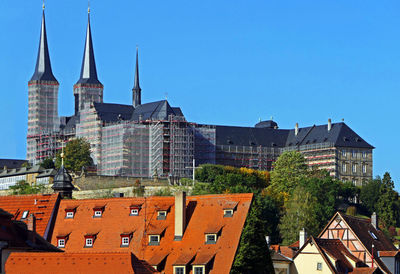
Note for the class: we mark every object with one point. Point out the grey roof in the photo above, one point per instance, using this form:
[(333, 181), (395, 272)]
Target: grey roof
[(251, 136), (43, 70), (47, 173), (266, 124), (88, 70), (62, 180), (11, 163), (21, 171), (159, 110), (340, 135), (113, 112)]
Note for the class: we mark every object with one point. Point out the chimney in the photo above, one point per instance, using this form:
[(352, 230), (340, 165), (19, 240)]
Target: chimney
[(32, 223), (180, 215), (302, 237), (329, 124), (296, 129), (374, 220)]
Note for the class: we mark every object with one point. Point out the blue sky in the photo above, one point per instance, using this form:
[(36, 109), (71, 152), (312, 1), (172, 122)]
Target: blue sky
[(224, 62)]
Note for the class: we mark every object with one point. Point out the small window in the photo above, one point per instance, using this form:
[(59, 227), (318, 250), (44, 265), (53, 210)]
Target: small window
[(89, 242), (228, 212), (69, 215), (344, 153), (97, 213), (355, 182), (125, 241), (154, 239), (364, 154), (61, 243), (198, 269), (354, 153), (211, 238), (134, 212), (25, 214), (179, 270), (373, 235), (319, 266), (161, 215)]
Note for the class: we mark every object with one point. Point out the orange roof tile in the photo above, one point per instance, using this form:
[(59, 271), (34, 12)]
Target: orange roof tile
[(203, 212), (43, 206), (203, 258), (184, 259), (388, 253), (97, 262)]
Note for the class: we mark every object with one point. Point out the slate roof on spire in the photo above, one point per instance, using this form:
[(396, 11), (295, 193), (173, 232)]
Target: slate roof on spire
[(136, 85), (62, 180), (43, 70), (88, 70)]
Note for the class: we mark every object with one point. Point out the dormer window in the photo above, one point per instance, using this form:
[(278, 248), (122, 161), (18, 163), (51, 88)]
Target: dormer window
[(89, 240), (161, 215), (25, 214), (211, 238), (62, 240), (125, 239), (198, 269), (228, 212), (69, 213), (98, 212), (154, 239), (134, 210), (179, 269)]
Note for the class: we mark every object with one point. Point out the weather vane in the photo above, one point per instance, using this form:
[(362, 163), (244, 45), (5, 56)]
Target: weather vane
[(43, 5)]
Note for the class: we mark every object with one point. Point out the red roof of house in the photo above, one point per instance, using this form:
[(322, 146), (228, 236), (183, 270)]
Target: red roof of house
[(68, 262), (202, 212), (43, 206)]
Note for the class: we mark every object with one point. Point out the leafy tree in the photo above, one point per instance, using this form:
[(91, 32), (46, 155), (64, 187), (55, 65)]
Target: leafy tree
[(47, 163), (368, 194), (22, 187), (77, 155), (386, 206), (289, 169), (26, 164), (300, 213), (253, 255)]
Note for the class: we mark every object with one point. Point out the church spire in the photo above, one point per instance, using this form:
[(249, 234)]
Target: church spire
[(88, 71), (137, 94), (43, 70)]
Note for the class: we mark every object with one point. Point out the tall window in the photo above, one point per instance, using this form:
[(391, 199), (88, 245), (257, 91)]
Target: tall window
[(344, 167), (364, 154), (354, 168), (354, 153), (364, 168), (344, 153)]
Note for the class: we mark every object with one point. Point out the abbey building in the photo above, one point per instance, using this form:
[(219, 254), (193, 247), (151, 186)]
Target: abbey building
[(154, 139)]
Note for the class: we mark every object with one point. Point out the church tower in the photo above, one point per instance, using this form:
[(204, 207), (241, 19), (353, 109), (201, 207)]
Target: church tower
[(88, 89), (136, 91), (43, 120)]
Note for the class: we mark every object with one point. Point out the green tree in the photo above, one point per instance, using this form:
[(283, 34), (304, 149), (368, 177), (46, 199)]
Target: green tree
[(289, 169), (300, 213), (368, 194), (77, 155), (47, 163), (22, 187), (386, 206), (253, 255)]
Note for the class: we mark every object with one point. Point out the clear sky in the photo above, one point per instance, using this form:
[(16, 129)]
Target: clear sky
[(226, 62)]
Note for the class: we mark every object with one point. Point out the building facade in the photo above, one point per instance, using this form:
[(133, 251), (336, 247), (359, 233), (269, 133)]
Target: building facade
[(154, 139)]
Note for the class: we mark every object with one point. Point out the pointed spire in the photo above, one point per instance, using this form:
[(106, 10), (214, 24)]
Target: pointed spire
[(43, 70), (88, 71), (137, 94)]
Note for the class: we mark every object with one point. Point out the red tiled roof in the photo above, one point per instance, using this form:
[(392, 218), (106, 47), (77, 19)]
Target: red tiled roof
[(388, 253), (43, 206), (365, 270), (60, 263), (202, 212), (203, 258)]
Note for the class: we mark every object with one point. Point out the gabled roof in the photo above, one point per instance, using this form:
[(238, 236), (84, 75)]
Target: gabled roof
[(43, 206), (202, 211), (96, 262), (159, 110), (113, 112), (340, 135), (43, 70), (88, 70)]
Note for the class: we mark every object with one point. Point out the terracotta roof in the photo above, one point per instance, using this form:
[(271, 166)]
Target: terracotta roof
[(275, 256), (184, 259), (43, 206), (202, 212), (203, 258), (97, 262), (284, 250), (365, 270), (388, 253)]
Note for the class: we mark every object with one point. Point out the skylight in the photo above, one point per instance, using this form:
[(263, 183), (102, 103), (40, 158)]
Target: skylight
[(373, 235), (25, 214)]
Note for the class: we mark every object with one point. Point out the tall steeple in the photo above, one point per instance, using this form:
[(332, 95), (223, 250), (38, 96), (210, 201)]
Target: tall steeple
[(137, 91), (43, 70), (88, 70), (88, 89)]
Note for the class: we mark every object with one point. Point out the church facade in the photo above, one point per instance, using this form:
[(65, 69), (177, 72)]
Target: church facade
[(154, 139)]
